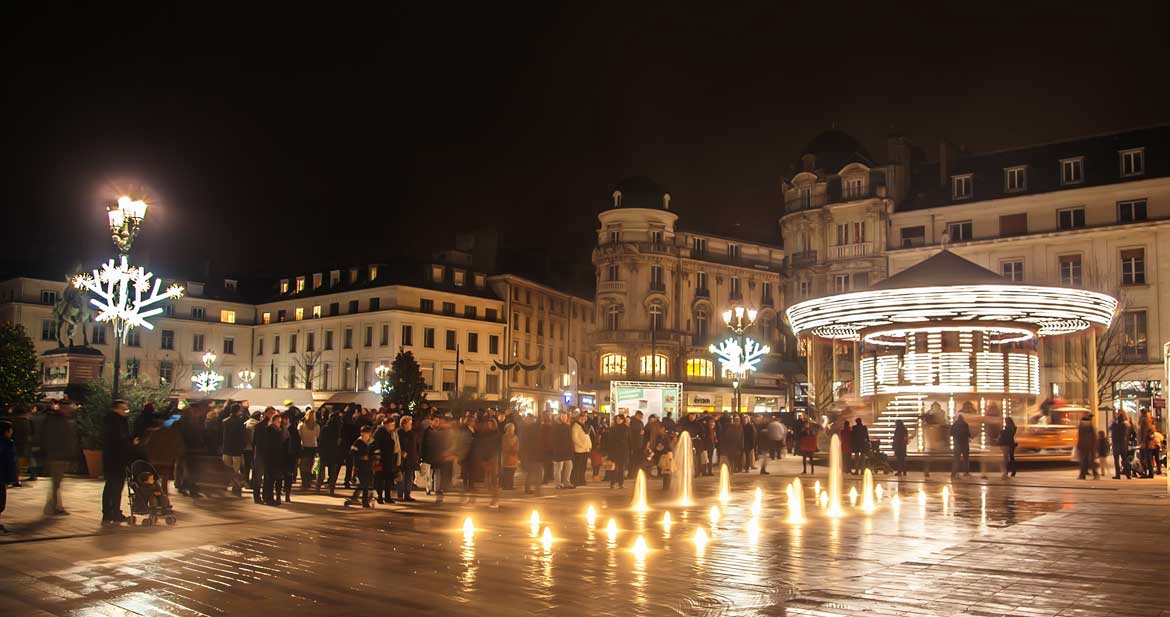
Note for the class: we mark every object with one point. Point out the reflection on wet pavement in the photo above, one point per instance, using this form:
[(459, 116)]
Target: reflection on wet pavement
[(977, 550)]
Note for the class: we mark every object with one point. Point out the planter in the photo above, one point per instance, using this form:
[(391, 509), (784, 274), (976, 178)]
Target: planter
[(93, 462)]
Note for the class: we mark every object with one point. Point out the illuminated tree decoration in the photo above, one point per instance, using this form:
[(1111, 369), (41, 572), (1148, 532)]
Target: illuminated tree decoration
[(207, 381), (739, 360), (124, 295)]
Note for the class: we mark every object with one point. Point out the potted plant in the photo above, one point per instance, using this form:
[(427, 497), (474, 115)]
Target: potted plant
[(99, 400)]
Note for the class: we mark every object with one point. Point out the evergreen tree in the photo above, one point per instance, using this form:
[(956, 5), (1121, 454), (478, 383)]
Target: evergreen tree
[(20, 380), (407, 386)]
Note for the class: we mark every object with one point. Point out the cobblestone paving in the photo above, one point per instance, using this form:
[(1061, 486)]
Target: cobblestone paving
[(993, 549)]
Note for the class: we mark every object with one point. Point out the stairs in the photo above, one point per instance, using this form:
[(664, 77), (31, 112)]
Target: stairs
[(904, 407)]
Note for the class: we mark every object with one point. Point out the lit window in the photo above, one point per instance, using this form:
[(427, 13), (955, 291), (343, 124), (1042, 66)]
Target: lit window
[(1015, 179), (700, 368), (961, 186), (373, 272), (655, 368), (317, 280), (460, 278), (283, 286), (1134, 345), (613, 364), (300, 284), (226, 316), (1072, 171), (300, 313), (1133, 162), (437, 274), (316, 311), (267, 318)]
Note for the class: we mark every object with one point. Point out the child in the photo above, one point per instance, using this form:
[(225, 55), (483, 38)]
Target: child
[(1102, 451), (150, 495), (666, 462), (363, 466), (8, 465)]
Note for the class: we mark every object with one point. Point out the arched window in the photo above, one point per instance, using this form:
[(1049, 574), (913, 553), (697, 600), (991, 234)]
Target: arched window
[(613, 364), (701, 329), (613, 314), (656, 314), (658, 367), (700, 368)]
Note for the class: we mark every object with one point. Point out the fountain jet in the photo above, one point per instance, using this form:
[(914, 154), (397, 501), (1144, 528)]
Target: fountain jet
[(835, 477), (639, 503), (724, 484), (867, 493), (795, 503), (684, 471)]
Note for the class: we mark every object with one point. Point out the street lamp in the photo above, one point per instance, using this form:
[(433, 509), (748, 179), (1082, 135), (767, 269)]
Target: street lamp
[(246, 376), (382, 385), (207, 380), (739, 354), (125, 215)]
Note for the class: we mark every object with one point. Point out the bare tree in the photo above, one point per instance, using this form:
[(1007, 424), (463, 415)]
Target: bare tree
[(304, 364), (1116, 361)]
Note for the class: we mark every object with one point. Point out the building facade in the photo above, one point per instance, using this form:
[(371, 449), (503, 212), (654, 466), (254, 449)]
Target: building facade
[(661, 292)]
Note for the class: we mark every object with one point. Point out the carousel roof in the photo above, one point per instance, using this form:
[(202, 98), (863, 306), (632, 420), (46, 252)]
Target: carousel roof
[(949, 289)]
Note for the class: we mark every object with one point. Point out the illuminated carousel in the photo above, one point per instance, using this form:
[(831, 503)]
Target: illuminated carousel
[(948, 337)]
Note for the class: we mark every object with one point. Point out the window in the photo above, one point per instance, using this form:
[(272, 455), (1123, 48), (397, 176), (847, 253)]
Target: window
[(299, 313), (842, 233), (840, 283), (317, 278), (615, 236), (426, 305), (1013, 224), (1012, 269), (516, 321), (806, 198), (656, 236), (853, 188), (134, 338), (804, 289), (328, 340), (448, 380), (1133, 266), (260, 346), (283, 286), (470, 381), (300, 284), (353, 306), (613, 317), (197, 312), (1072, 171), (384, 339), (959, 232), (527, 296), (197, 342), (167, 339), (1133, 162), (493, 344), (48, 330), (766, 294), (48, 297), (226, 316), (276, 344), (613, 364), (169, 310), (490, 314), (450, 340), (316, 311), (1015, 179), (733, 251), (334, 278), (407, 336), (132, 366), (492, 383), (736, 291), (1070, 218), (372, 272), (375, 304), (655, 368), (429, 338), (961, 186), (347, 339), (166, 372), (98, 337), (437, 274), (229, 344), (470, 311), (527, 324), (1070, 270), (611, 272), (472, 342), (368, 337), (913, 236), (1131, 211), (460, 278), (292, 343), (700, 368), (1134, 346), (539, 327), (448, 308), (334, 308), (656, 283), (655, 311), (699, 247), (701, 284)]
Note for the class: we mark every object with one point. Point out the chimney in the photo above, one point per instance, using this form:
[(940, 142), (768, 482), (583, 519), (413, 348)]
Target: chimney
[(948, 155)]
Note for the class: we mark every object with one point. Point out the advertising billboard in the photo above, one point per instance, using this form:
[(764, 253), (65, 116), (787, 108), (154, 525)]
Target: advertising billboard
[(650, 397)]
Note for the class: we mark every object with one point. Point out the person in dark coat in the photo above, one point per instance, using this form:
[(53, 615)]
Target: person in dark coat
[(292, 450), (213, 431), (530, 455), (637, 430), (9, 465), (485, 456), (233, 443), (386, 455), (329, 449), (858, 445), (260, 436), (961, 440), (1120, 431), (58, 438), (116, 448), (562, 452), (708, 441), (900, 442), (1007, 442), (617, 449), (22, 438), (409, 443), (360, 453), (750, 443), (272, 450), (731, 445), (1087, 447)]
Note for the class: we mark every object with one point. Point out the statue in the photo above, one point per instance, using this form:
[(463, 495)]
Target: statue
[(70, 312)]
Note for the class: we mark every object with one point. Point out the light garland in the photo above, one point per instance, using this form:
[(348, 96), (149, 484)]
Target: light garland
[(121, 289)]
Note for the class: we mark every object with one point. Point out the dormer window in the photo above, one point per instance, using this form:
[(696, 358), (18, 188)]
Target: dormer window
[(806, 197), (733, 251), (373, 272), (283, 286), (854, 188), (1072, 171), (436, 274), (460, 277), (300, 284), (1133, 162), (230, 285), (353, 275), (1015, 179), (961, 186), (317, 280), (480, 281), (334, 278)]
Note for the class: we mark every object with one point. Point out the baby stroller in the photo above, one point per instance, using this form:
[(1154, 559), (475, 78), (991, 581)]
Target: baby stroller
[(147, 499), (877, 460)]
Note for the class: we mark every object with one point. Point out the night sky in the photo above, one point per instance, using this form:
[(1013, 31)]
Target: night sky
[(285, 139)]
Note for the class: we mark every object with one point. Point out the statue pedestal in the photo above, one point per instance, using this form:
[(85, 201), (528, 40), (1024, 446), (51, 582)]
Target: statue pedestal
[(66, 371)]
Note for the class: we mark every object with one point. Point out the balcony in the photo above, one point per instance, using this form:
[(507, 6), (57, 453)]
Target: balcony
[(658, 286), (806, 258), (849, 251), (661, 337), (702, 292), (611, 287)]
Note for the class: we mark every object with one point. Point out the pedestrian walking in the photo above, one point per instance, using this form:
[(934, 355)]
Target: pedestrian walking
[(858, 445), (9, 466), (233, 444), (961, 444), (1120, 432), (485, 456), (58, 437), (806, 444), (363, 462), (582, 447), (509, 457), (617, 443), (1086, 448), (310, 432), (408, 443), (901, 442), (1007, 444)]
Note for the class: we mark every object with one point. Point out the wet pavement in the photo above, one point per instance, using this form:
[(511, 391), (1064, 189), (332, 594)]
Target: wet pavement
[(1035, 547)]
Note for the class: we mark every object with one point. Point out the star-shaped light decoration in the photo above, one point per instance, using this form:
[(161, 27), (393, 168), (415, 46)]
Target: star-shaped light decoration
[(739, 360), (206, 381), (124, 293)]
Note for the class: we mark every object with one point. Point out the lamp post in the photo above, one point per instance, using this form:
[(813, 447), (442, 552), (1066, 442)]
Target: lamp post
[(207, 380), (381, 387), (246, 376), (739, 354), (123, 291)]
